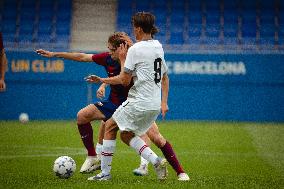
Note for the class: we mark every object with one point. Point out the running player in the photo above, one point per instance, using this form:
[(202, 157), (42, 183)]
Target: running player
[(99, 110), (154, 135)]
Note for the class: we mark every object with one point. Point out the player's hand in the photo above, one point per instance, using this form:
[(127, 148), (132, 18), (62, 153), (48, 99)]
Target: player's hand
[(122, 52), (2, 85), (45, 53), (93, 79), (101, 92), (164, 109)]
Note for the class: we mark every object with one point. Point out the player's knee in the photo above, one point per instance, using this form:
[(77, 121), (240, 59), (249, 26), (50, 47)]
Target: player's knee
[(81, 117), (110, 130), (126, 136)]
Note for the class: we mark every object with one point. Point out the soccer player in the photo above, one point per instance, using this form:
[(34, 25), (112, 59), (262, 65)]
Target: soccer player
[(155, 136), (146, 65), (3, 65), (100, 110)]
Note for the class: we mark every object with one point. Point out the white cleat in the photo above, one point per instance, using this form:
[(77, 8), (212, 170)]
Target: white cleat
[(100, 177), (161, 169), (92, 163), (183, 177), (141, 171)]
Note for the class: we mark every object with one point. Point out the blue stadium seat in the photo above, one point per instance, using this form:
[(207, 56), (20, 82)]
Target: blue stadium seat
[(46, 14), (47, 5), (162, 29), (64, 5), (230, 41), (267, 16), (9, 26), (160, 5), (176, 38), (9, 13), (45, 26), (62, 41), (230, 16), (194, 5), (194, 40), (124, 3), (178, 17), (143, 5), (161, 17), (231, 4), (212, 30), (213, 16), (265, 4), (28, 15), (8, 37), (249, 30), (249, 5), (248, 16), (194, 30), (267, 30), (177, 5), (230, 29), (267, 41), (10, 4), (25, 40), (248, 42), (161, 38), (26, 27), (62, 29), (43, 39), (213, 4), (195, 17), (211, 41), (176, 27)]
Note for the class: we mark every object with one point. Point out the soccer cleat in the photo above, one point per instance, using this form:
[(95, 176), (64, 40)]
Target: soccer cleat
[(141, 171), (183, 177), (100, 177), (161, 169), (92, 163)]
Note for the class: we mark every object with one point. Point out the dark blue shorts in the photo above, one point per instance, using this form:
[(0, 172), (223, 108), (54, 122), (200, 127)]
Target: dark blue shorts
[(107, 108)]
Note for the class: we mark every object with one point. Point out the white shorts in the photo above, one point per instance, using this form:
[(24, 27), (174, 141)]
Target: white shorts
[(129, 118)]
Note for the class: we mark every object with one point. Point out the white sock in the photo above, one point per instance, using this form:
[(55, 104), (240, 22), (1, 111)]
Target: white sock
[(99, 149), (107, 153), (143, 162), (142, 149)]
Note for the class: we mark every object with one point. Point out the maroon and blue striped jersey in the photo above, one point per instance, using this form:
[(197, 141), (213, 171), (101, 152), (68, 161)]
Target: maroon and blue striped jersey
[(118, 93)]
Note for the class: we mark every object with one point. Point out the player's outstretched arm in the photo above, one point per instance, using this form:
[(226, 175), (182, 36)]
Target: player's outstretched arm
[(165, 93), (80, 57)]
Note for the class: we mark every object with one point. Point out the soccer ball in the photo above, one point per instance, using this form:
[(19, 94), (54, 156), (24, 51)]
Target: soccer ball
[(64, 167), (24, 118)]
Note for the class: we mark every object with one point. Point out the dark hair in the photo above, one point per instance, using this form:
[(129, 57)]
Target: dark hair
[(146, 21), (116, 39)]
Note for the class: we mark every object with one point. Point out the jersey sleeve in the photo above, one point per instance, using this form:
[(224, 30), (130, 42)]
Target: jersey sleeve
[(100, 58), (164, 66), (129, 64)]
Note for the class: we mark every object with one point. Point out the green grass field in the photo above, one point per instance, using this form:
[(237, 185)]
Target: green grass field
[(215, 154)]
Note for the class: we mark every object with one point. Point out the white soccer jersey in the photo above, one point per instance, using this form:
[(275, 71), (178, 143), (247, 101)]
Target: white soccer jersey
[(145, 60)]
